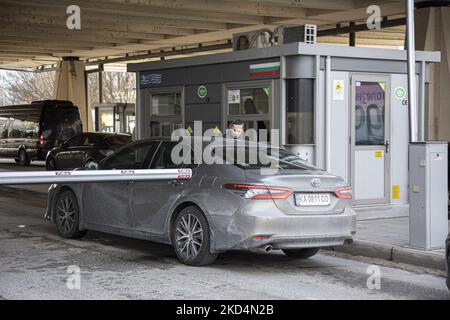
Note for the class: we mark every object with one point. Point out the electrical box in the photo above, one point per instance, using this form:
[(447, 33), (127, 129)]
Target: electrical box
[(428, 194)]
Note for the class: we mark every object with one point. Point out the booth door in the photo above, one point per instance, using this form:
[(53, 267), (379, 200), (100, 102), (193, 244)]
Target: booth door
[(370, 139)]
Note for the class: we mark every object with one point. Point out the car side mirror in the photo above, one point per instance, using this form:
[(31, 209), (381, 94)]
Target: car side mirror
[(91, 165)]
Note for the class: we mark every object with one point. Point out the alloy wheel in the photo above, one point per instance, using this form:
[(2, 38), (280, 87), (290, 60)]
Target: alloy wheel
[(66, 214), (189, 236)]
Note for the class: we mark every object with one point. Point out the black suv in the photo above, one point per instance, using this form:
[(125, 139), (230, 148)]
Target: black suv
[(29, 131), (83, 149)]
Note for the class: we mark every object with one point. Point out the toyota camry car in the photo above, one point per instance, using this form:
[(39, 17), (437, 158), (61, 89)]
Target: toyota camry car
[(271, 203)]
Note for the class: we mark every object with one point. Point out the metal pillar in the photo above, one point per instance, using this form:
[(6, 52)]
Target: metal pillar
[(412, 103), (352, 35)]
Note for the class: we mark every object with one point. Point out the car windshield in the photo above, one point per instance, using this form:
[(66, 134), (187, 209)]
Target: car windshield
[(117, 140), (248, 158)]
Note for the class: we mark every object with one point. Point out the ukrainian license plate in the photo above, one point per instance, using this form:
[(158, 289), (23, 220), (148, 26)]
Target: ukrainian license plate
[(312, 199)]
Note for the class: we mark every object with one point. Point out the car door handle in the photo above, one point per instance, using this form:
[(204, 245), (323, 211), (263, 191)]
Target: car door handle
[(176, 183)]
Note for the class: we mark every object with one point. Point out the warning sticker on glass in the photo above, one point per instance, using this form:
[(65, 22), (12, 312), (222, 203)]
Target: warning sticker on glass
[(234, 96), (338, 89)]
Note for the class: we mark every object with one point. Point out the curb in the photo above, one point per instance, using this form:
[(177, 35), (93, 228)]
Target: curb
[(397, 254)]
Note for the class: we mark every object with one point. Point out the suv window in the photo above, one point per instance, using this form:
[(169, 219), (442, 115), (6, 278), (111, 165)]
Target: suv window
[(133, 157)]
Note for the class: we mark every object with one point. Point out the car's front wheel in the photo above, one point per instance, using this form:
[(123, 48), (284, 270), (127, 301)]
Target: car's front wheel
[(67, 215), (301, 253), (191, 238)]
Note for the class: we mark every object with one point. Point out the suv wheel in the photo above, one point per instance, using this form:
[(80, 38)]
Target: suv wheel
[(301, 253), (23, 158), (191, 238), (67, 215)]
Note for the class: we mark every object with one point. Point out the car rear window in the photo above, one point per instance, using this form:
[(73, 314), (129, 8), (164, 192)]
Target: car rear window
[(117, 140), (249, 158)]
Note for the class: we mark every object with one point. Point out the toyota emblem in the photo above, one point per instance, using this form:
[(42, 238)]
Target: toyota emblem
[(315, 182)]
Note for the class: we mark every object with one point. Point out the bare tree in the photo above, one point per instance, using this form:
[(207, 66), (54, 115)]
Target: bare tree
[(117, 87), (25, 87)]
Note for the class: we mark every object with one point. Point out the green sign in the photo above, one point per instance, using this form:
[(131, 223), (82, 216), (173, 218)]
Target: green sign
[(400, 92), (202, 92)]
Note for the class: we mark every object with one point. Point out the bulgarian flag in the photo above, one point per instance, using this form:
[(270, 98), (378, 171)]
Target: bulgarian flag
[(264, 69)]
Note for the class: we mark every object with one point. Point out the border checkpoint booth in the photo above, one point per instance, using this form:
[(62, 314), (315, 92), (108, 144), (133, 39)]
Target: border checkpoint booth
[(343, 109)]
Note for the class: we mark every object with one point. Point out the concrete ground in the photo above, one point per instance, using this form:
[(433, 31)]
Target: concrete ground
[(35, 263), (11, 165)]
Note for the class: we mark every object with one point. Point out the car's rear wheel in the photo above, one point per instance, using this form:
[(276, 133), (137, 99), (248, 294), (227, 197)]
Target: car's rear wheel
[(50, 164), (191, 238), (448, 272), (23, 159), (67, 215), (301, 253)]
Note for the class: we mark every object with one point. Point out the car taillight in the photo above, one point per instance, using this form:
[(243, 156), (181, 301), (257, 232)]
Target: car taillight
[(256, 192), (344, 192), (41, 139)]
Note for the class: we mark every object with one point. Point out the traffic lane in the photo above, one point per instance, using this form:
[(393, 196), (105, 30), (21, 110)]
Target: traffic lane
[(8, 165), (11, 165), (34, 262)]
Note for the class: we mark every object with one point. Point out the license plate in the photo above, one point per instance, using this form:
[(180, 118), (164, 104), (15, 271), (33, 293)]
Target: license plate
[(312, 199)]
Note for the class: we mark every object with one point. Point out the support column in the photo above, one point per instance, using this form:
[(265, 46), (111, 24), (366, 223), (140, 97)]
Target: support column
[(432, 33), (70, 84)]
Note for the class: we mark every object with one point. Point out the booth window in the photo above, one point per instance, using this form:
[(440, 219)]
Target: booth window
[(248, 101), (370, 100), (300, 111), (166, 104), (251, 105), (166, 113)]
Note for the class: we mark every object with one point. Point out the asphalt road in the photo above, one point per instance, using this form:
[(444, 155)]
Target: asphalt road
[(34, 264)]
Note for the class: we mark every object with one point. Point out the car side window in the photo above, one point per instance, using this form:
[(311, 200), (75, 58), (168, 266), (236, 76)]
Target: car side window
[(163, 159), (134, 157), (74, 141), (89, 141)]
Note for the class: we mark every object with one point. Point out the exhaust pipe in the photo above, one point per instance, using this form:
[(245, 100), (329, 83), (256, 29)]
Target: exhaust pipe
[(268, 248)]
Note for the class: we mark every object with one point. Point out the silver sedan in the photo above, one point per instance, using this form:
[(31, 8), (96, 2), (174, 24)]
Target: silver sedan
[(226, 205)]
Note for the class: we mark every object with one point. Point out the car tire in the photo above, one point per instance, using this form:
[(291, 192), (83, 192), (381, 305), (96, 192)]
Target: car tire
[(191, 238), (301, 253), (50, 164), (67, 215), (448, 272), (23, 159)]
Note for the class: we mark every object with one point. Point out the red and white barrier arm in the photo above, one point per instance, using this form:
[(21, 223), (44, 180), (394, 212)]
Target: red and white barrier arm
[(45, 177)]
